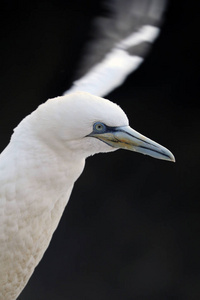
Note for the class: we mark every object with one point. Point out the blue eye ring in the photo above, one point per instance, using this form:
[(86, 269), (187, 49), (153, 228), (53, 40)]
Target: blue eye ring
[(99, 127)]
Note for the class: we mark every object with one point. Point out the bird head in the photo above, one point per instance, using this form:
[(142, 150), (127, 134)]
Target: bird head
[(87, 124)]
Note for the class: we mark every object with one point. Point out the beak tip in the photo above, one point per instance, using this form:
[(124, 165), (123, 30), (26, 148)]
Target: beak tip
[(173, 159), (168, 155)]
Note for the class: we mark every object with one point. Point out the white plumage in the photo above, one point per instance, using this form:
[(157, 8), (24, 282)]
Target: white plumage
[(45, 157), (112, 71), (48, 148)]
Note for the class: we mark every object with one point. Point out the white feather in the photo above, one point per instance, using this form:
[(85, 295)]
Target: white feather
[(44, 158)]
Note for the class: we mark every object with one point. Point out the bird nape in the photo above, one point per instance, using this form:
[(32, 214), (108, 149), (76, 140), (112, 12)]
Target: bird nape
[(44, 158)]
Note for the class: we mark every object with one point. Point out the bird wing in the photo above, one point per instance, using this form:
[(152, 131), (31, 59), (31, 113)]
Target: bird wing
[(119, 42)]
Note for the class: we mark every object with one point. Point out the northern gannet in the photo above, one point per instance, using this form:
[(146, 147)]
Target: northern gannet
[(47, 154), (39, 167)]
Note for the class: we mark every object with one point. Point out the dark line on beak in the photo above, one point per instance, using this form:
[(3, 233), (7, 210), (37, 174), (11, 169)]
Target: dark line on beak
[(137, 138), (154, 151)]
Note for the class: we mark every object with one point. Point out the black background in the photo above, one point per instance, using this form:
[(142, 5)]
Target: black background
[(131, 228)]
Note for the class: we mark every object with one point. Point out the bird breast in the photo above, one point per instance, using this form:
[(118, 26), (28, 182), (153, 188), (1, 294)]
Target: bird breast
[(33, 194)]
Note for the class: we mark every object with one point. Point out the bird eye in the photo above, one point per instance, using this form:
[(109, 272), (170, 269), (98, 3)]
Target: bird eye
[(99, 127)]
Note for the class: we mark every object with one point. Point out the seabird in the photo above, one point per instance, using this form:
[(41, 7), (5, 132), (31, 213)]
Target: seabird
[(47, 153)]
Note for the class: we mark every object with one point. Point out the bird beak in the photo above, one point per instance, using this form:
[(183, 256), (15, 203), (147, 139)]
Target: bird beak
[(127, 138)]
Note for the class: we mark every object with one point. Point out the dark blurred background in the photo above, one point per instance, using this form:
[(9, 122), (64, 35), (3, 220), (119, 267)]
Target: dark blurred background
[(131, 228)]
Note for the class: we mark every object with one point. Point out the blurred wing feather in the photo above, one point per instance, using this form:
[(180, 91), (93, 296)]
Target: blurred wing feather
[(122, 39)]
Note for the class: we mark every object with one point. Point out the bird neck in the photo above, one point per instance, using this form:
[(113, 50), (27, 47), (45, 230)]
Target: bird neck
[(54, 161)]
